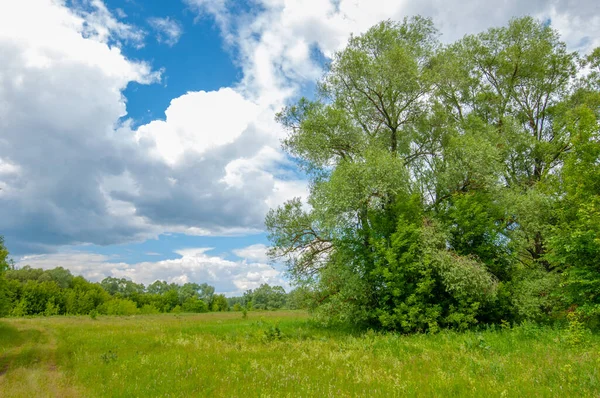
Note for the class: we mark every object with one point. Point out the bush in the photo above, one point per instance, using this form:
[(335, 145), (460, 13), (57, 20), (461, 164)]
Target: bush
[(195, 305), (220, 303), (51, 308), (149, 309), (20, 309), (119, 307), (532, 295), (176, 310)]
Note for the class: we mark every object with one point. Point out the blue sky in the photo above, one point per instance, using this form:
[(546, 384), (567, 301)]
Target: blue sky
[(137, 138), (198, 60)]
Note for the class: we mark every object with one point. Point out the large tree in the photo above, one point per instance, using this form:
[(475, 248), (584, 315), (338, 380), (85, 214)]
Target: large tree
[(434, 173)]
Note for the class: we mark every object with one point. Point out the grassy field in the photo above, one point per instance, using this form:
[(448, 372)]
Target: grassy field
[(283, 354)]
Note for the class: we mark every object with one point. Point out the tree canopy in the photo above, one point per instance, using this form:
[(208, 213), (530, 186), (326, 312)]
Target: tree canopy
[(450, 185)]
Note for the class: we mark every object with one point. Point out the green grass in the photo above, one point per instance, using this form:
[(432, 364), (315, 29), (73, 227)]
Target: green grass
[(279, 354)]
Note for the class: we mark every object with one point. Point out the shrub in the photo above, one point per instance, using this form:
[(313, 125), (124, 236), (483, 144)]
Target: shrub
[(51, 308), (149, 309), (220, 303), (194, 304), (118, 306), (176, 310)]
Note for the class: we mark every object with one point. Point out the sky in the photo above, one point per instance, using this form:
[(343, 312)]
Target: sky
[(137, 137)]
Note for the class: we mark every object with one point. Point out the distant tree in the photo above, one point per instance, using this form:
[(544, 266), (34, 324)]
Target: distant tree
[(194, 304), (298, 298), (219, 303), (36, 295), (232, 301), (84, 297), (188, 290), (121, 286), (161, 287), (266, 297), (30, 291), (27, 273), (61, 276), (118, 306), (169, 300), (5, 265), (206, 293)]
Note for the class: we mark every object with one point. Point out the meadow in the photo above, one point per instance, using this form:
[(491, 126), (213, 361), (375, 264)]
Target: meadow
[(285, 354)]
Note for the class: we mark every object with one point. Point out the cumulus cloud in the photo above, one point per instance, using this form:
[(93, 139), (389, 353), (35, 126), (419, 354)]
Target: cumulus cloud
[(277, 45), (73, 170), (60, 98), (256, 252), (193, 265), (167, 30), (199, 121)]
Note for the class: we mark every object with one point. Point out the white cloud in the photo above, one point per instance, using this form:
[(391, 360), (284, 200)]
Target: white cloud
[(256, 252), (55, 36), (275, 43), (199, 121), (7, 168), (100, 24), (61, 79), (193, 265), (71, 172), (167, 30)]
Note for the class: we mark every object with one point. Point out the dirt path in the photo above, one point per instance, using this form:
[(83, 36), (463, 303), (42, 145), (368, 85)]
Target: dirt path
[(30, 369)]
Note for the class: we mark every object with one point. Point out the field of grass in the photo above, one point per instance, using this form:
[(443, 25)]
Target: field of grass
[(284, 354)]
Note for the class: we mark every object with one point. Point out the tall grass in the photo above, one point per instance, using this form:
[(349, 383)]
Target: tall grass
[(279, 354)]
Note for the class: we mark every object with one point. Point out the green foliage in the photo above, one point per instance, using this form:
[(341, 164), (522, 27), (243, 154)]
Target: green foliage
[(272, 333), (424, 287), (122, 287), (341, 296), (109, 356), (5, 265), (298, 298), (176, 310), (451, 186), (219, 303), (194, 304), (19, 309), (266, 297), (576, 332), (51, 308), (148, 309), (118, 306), (30, 291), (534, 295)]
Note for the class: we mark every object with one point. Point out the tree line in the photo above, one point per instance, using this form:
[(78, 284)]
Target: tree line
[(33, 291), (450, 185)]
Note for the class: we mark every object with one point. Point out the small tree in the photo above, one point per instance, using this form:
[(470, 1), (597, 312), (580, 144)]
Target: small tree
[(194, 304), (220, 303)]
